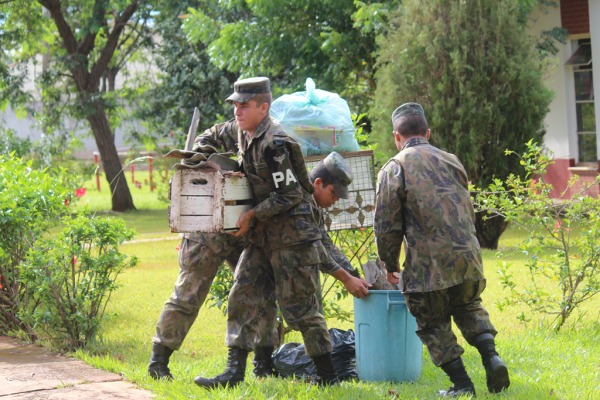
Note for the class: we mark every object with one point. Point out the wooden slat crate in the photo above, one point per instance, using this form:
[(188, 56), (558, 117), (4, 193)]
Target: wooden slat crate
[(203, 200)]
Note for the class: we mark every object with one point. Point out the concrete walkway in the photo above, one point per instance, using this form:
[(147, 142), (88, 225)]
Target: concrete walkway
[(32, 372)]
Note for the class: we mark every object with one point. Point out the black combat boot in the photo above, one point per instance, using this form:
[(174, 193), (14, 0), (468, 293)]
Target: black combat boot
[(458, 375), (263, 362), (233, 374), (325, 370), (495, 370), (159, 362)]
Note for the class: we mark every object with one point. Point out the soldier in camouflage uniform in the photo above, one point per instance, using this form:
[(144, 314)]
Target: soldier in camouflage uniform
[(330, 178), (285, 252), (200, 255), (422, 198)]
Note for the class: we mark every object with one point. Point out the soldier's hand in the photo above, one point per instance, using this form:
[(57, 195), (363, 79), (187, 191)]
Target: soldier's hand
[(244, 223), (357, 287), (393, 278)]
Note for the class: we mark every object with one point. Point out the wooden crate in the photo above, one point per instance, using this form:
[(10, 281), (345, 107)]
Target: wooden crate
[(203, 200)]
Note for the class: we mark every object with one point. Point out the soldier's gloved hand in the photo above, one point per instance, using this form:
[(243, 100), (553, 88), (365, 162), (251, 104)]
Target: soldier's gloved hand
[(195, 159)]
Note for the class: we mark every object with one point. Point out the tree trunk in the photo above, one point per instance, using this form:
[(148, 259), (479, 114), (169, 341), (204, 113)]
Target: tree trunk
[(489, 230), (121, 195)]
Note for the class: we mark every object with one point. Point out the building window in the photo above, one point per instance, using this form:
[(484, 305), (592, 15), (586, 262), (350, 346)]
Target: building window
[(581, 61)]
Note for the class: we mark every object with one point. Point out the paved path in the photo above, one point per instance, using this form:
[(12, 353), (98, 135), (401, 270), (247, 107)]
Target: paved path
[(29, 372)]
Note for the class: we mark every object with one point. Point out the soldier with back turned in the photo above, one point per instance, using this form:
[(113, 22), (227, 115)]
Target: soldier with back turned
[(423, 200)]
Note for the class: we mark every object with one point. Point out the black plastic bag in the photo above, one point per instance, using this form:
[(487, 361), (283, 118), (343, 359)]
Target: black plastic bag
[(291, 359), (344, 353)]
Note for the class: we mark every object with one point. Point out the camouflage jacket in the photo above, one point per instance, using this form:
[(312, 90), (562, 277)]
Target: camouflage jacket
[(422, 198), (337, 259), (220, 138), (274, 166)]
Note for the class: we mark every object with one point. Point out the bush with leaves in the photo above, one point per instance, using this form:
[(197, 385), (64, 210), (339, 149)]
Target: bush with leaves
[(54, 290), (31, 201), (72, 278), (563, 242)]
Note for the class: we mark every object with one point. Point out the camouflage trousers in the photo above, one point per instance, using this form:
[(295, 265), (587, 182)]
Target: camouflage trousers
[(434, 310), (199, 260), (288, 276)]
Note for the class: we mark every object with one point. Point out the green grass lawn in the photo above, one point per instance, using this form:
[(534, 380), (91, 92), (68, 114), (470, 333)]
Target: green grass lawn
[(542, 364)]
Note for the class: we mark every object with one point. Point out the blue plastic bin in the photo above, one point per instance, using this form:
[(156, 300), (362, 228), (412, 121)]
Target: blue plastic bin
[(387, 347)]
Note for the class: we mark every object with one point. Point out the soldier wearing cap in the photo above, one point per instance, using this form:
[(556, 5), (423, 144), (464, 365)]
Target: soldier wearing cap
[(331, 178), (332, 171), (285, 250), (200, 255), (423, 200)]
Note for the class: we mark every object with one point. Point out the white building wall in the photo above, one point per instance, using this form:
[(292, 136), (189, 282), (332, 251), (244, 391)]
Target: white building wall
[(557, 122), (594, 10), (27, 128)]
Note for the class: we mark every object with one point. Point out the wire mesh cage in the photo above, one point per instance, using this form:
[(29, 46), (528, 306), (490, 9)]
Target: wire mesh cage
[(357, 210)]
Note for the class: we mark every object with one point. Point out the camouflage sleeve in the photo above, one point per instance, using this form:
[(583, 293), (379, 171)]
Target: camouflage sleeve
[(335, 257), (388, 224), (287, 189), (220, 138), (338, 258)]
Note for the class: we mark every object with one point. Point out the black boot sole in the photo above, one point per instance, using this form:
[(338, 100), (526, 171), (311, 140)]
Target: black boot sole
[(212, 384), (156, 375), (453, 392)]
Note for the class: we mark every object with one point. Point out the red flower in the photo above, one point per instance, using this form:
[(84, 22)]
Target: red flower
[(557, 225), (80, 192)]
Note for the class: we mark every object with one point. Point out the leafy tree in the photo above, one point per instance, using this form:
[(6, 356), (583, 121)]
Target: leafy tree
[(82, 45), (476, 70), (11, 143), (186, 79), (331, 41)]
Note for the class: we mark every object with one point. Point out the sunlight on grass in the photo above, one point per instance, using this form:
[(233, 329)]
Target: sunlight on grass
[(98, 196)]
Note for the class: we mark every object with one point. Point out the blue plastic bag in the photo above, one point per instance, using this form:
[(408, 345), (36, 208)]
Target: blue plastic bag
[(319, 120)]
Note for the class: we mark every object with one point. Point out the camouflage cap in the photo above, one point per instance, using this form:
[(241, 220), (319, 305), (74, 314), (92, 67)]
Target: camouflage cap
[(341, 172), (245, 89), (407, 109)]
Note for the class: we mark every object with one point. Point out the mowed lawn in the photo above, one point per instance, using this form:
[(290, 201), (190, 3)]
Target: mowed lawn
[(542, 364)]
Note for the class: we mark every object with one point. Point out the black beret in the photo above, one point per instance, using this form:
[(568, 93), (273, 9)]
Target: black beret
[(245, 89)]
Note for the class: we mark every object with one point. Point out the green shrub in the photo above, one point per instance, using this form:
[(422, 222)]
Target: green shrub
[(53, 289), (30, 202), (72, 278), (563, 242)]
